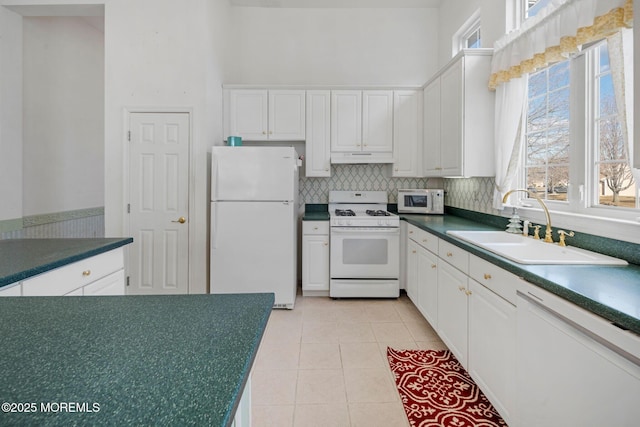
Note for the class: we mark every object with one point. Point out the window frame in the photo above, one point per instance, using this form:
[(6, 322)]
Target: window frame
[(471, 25)]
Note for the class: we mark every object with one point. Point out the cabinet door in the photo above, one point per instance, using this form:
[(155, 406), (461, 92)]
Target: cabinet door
[(431, 155), (412, 271), (492, 347), (318, 130), (248, 114), (377, 120), (287, 115), (407, 133), (428, 285), (346, 120), (13, 290), (451, 106), (452, 310), (567, 378), (315, 263)]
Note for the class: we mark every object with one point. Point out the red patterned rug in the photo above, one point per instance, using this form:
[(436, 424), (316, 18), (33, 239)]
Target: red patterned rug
[(436, 390)]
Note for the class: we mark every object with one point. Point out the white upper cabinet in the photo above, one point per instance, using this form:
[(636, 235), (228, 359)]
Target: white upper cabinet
[(318, 129), (346, 121), (377, 120), (459, 118), (362, 126), (407, 133), (261, 115)]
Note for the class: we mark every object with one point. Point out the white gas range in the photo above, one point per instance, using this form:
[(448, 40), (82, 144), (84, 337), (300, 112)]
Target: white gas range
[(364, 246)]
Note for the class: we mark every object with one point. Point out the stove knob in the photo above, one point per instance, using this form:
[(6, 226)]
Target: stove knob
[(348, 222), (380, 222)]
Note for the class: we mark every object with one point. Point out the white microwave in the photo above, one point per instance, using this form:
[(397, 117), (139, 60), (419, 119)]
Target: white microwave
[(421, 201)]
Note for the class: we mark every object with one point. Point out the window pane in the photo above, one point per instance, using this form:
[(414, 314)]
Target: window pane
[(548, 122), (537, 84), (559, 75), (613, 181), (534, 6), (473, 41), (607, 104), (616, 185)]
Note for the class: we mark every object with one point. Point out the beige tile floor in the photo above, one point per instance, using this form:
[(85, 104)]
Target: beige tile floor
[(324, 363)]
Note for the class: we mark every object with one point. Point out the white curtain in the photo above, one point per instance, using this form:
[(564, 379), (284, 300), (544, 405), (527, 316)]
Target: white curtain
[(622, 76), (510, 103)]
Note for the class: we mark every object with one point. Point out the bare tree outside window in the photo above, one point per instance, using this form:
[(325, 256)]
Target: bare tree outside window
[(616, 183)]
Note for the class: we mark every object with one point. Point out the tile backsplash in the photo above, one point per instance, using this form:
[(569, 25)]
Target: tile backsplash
[(365, 177), (473, 194)]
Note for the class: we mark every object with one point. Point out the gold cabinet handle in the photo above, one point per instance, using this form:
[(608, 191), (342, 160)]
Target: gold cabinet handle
[(487, 276), (425, 240), (433, 266), (468, 293), (411, 232), (326, 244), (413, 252), (86, 273), (461, 288), (449, 254), (181, 220)]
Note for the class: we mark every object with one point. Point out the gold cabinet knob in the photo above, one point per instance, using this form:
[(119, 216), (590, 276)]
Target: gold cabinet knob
[(449, 254), (468, 293), (413, 252), (461, 288), (433, 266), (86, 273), (181, 220), (487, 276)]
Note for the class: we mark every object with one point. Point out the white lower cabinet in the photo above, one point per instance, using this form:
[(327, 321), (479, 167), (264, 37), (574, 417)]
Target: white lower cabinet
[(453, 311), (422, 272), (101, 274), (569, 376), (492, 334), (315, 258)]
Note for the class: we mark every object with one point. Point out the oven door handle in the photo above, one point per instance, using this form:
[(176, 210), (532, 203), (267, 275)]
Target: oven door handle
[(376, 230)]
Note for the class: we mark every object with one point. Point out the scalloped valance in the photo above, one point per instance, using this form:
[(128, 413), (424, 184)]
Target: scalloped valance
[(556, 32)]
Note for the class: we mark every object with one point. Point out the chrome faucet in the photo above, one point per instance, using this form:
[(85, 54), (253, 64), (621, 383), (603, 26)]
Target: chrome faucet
[(547, 233)]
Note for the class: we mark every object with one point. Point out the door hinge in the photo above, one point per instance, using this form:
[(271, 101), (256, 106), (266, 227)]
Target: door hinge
[(128, 207), (129, 136), (127, 280)]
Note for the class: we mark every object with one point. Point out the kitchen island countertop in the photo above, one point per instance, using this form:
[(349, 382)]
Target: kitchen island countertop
[(128, 360), (24, 258)]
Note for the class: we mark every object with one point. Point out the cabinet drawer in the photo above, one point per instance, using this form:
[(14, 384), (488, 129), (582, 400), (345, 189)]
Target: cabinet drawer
[(315, 227), (455, 256), (494, 278), (70, 277), (113, 284), (423, 238)]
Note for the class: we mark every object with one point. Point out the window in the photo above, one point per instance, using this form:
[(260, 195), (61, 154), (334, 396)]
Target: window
[(575, 156), (614, 184), (469, 36), (532, 7)]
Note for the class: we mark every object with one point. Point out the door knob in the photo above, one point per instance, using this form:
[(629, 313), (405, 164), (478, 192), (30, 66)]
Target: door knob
[(181, 220)]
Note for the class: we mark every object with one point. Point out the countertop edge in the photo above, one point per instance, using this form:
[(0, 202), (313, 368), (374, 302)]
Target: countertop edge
[(247, 369), (52, 265), (606, 312)]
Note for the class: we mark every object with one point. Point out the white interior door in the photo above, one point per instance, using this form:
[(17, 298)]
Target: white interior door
[(159, 203)]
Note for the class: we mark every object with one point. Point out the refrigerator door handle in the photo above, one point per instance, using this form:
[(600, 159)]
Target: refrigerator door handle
[(214, 226), (214, 175)]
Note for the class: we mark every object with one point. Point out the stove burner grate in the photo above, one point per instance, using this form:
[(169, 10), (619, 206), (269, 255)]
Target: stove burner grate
[(377, 213), (345, 212)]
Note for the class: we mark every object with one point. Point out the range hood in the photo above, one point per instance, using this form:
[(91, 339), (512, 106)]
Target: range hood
[(362, 157)]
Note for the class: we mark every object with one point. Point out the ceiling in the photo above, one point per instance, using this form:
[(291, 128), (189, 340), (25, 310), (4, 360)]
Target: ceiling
[(339, 3), (59, 10)]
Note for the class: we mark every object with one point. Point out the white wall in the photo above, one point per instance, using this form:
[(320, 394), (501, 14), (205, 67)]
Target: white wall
[(10, 114), (332, 46), (63, 145), (161, 55)]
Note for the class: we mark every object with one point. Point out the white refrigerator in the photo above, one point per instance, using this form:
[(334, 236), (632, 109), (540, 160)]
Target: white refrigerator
[(254, 192)]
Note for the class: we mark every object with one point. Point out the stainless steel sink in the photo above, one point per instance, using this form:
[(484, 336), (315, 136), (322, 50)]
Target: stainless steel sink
[(526, 250)]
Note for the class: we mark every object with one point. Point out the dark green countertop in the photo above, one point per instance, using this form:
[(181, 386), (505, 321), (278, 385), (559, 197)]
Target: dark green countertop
[(145, 360), (24, 258), (316, 212), (612, 292)]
